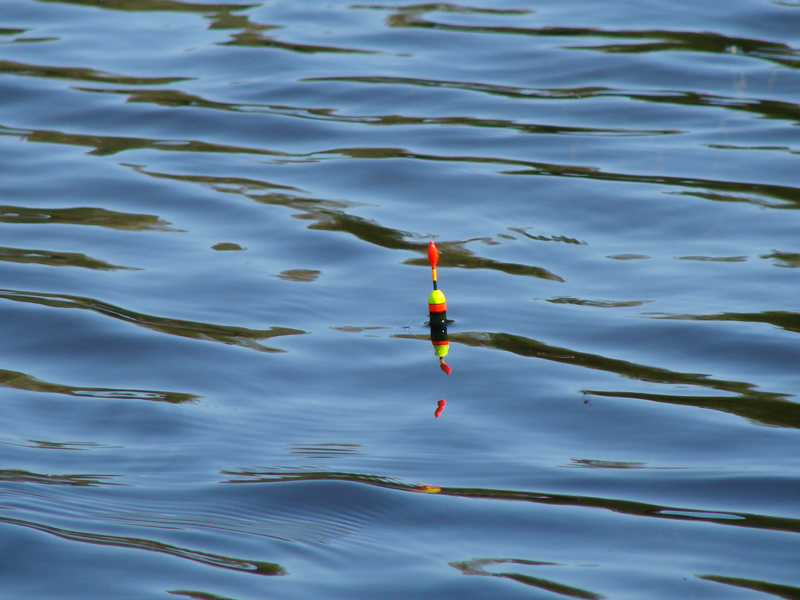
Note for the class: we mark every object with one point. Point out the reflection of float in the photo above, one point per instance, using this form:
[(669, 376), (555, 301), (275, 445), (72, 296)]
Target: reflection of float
[(440, 408), (437, 309)]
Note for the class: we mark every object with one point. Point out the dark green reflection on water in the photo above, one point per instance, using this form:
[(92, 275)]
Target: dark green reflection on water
[(21, 381), (757, 407), (226, 334), (477, 567), (298, 275), (80, 74), (104, 145), (775, 589), (254, 38), (19, 476), (328, 215), (423, 8), (770, 109), (463, 121), (415, 16), (45, 445), (176, 98), (589, 463), (157, 5), (196, 595), (171, 98), (764, 408), (625, 507), (100, 217), (762, 195), (211, 560), (722, 259), (454, 255), (782, 319), (56, 259), (598, 303), (222, 17), (787, 260)]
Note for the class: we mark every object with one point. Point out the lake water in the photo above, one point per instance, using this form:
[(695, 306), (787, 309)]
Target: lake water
[(216, 377)]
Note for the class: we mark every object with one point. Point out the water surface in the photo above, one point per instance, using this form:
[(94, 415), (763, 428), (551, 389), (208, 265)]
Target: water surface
[(216, 376)]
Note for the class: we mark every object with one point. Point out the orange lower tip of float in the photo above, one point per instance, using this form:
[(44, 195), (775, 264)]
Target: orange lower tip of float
[(444, 367)]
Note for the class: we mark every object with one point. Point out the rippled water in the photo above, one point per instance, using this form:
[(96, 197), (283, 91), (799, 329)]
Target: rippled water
[(216, 378)]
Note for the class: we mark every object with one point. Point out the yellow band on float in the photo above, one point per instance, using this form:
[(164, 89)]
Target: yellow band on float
[(436, 297)]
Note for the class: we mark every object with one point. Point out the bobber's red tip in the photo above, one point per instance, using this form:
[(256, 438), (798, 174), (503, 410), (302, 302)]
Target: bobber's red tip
[(433, 254), (443, 365), (439, 410)]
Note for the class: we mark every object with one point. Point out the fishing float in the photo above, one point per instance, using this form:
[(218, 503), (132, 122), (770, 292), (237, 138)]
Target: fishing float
[(437, 309)]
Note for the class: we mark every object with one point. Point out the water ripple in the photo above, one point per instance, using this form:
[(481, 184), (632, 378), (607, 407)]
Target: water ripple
[(56, 259), (213, 560), (226, 334), (99, 217), (307, 153), (478, 566), (622, 506), (21, 381), (80, 74)]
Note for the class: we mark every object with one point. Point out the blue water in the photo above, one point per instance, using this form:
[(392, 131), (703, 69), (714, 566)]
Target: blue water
[(216, 376)]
